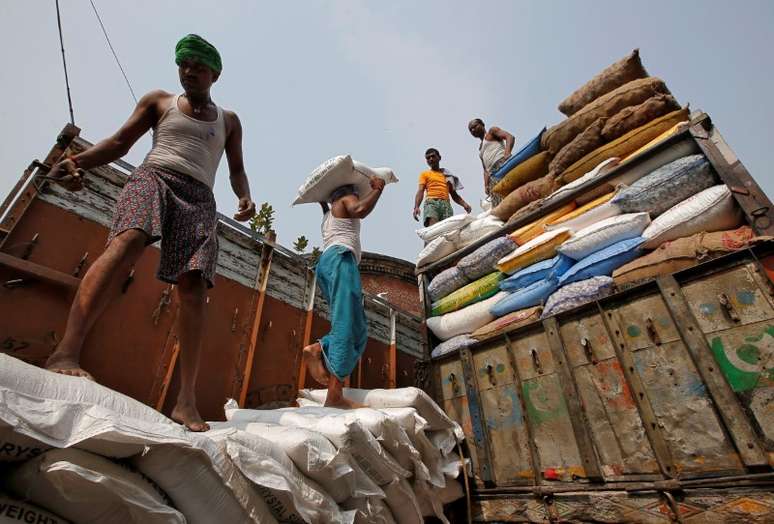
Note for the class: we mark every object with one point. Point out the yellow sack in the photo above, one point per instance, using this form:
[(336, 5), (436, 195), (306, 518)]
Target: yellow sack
[(508, 323), (680, 126), (579, 211), (524, 234), (476, 291), (623, 145), (539, 248), (531, 169)]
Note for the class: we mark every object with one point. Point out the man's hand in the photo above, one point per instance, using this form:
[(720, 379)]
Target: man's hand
[(68, 175), (416, 214), (377, 184), (467, 208), (246, 210)]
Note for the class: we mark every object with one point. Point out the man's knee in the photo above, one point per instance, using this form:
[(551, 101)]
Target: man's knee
[(131, 241), (191, 287)]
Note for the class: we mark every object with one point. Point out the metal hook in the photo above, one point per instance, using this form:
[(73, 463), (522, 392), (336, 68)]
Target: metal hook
[(586, 344)]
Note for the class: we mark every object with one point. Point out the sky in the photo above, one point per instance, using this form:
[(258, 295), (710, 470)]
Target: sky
[(382, 81)]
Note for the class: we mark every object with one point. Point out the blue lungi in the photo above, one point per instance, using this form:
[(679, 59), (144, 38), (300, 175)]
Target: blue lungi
[(339, 281)]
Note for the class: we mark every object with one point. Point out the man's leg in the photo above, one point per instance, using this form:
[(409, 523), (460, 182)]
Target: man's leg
[(192, 290), (335, 397), (100, 284), (312, 355)]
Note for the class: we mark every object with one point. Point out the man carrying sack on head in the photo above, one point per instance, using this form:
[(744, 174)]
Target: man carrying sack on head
[(169, 198)]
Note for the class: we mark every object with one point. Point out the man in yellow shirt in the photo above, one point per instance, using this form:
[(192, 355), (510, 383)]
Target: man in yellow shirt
[(439, 184)]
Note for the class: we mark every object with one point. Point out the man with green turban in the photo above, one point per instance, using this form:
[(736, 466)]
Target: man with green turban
[(169, 198)]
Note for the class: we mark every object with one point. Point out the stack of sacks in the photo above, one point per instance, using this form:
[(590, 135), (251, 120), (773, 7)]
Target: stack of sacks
[(78, 428), (539, 248), (483, 225), (429, 430), (465, 320), (532, 285), (685, 252), (441, 238), (476, 291), (529, 150), (534, 229), (524, 196)]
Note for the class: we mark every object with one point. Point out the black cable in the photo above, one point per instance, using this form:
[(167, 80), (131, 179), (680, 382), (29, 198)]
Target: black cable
[(110, 45), (64, 63)]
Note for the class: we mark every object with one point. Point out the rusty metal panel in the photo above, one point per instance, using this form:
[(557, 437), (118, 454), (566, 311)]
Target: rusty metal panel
[(450, 377), (508, 435), (685, 412), (457, 410), (647, 321), (492, 366), (586, 340), (532, 355), (745, 356), (727, 299)]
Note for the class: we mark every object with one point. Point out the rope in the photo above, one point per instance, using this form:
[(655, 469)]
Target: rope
[(64, 64), (110, 45)]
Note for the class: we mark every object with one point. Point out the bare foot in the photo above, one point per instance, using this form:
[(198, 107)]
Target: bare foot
[(188, 416), (65, 366), (314, 361)]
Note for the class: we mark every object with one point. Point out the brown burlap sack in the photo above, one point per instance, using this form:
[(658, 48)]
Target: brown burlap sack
[(580, 146), (531, 169), (524, 195), (685, 252), (633, 117), (631, 94), (623, 145), (613, 76)]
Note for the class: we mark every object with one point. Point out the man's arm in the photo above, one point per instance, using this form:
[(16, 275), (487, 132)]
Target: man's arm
[(114, 147), (418, 200), (502, 134), (457, 198), (236, 168), (361, 208)]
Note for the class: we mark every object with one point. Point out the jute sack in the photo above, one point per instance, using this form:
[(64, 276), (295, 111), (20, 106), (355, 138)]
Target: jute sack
[(623, 145), (86, 488), (632, 93), (14, 511), (686, 252), (586, 142), (633, 117), (613, 76), (507, 323), (529, 170), (524, 195)]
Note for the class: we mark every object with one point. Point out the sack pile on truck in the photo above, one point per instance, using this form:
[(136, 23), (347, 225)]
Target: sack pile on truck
[(454, 233), (580, 249), (383, 461)]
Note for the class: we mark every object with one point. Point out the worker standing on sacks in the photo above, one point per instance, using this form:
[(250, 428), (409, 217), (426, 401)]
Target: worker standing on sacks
[(169, 198), (333, 358), (495, 148), (435, 187)]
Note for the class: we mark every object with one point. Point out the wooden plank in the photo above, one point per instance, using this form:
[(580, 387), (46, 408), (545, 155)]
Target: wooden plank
[(311, 292), (644, 407), (727, 404), (481, 438), (575, 408), (756, 205), (40, 272), (169, 353), (263, 279)]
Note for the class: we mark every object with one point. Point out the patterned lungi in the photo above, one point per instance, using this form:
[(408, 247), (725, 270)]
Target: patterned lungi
[(177, 209), (436, 208), (494, 197)]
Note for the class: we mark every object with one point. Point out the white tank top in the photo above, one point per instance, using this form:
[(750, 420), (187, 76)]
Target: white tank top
[(341, 232), (490, 152), (187, 145)]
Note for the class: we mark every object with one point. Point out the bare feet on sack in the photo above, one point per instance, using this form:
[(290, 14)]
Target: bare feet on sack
[(66, 366), (314, 362), (188, 416)]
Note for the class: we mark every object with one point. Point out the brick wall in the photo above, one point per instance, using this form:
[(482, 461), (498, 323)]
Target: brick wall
[(393, 277)]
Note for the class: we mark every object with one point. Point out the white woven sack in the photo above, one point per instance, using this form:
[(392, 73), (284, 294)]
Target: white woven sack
[(602, 169), (370, 510), (14, 511), (291, 496), (345, 433), (477, 230), (403, 502), (713, 209), (592, 216), (447, 227), (431, 500), (317, 458), (465, 320), (410, 397), (336, 172), (629, 175), (87, 488), (436, 250), (603, 234)]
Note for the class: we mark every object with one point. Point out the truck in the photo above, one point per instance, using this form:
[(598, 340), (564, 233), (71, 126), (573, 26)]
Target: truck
[(652, 404)]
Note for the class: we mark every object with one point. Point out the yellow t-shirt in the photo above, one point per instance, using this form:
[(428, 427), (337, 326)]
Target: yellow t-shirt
[(435, 184)]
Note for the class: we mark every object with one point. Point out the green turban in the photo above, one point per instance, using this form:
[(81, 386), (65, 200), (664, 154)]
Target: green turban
[(197, 48)]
